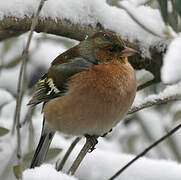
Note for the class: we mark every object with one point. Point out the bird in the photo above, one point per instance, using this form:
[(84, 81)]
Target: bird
[(87, 90)]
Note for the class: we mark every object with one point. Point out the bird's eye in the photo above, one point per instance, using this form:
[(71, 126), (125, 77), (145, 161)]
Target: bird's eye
[(111, 50)]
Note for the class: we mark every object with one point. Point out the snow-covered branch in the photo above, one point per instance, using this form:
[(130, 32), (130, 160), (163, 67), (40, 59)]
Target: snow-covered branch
[(155, 101), (171, 93), (12, 26), (79, 17)]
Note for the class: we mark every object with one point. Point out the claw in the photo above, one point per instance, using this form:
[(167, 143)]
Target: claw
[(93, 140)]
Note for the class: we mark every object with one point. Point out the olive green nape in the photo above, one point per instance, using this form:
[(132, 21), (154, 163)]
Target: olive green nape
[(86, 50)]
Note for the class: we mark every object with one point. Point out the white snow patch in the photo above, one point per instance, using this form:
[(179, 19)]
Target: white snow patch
[(103, 164), (144, 169), (171, 69), (5, 97), (45, 172)]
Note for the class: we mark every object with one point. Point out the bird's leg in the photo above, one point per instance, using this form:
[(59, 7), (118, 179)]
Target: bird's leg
[(91, 141), (70, 149)]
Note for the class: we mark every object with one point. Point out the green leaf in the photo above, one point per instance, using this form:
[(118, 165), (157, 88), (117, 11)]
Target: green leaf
[(177, 116), (178, 6), (3, 131), (16, 171), (172, 21), (52, 153), (164, 9), (28, 157)]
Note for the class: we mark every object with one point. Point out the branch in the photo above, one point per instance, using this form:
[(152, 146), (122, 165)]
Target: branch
[(91, 141), (146, 151), (20, 88), (156, 101), (67, 154), (138, 21), (11, 26), (145, 85)]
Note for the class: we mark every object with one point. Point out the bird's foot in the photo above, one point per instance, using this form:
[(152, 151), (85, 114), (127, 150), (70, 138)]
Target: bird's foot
[(93, 140)]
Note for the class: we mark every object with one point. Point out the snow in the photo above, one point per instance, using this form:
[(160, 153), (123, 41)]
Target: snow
[(103, 164), (155, 24), (92, 12), (171, 69), (5, 97), (156, 131), (45, 172)]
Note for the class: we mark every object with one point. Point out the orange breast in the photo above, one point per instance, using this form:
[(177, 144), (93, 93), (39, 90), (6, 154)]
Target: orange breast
[(97, 99)]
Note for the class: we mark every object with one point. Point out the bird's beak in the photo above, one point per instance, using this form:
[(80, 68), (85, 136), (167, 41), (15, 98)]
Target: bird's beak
[(128, 52)]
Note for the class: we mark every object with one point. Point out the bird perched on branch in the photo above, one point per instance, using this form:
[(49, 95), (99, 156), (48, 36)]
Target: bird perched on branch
[(87, 90)]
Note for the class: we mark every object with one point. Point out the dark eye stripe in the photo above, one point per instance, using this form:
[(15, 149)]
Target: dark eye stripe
[(112, 50), (115, 49)]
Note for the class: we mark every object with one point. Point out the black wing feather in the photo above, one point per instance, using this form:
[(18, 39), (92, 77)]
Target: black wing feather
[(53, 84)]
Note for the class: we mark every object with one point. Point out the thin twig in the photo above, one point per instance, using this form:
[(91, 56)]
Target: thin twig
[(138, 21), (151, 103), (67, 154), (145, 85), (157, 101), (173, 145), (90, 143), (146, 151), (20, 88)]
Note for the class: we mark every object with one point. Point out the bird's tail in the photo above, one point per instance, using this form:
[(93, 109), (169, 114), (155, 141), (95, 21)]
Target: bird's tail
[(42, 149)]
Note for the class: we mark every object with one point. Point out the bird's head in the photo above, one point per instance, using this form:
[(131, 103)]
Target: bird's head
[(106, 47)]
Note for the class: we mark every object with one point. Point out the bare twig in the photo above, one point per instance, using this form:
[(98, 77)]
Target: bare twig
[(67, 154), (157, 101), (90, 143), (20, 88), (138, 21), (145, 85), (173, 145), (146, 151)]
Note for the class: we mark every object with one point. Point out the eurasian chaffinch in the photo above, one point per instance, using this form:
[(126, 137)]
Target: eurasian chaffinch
[(87, 90)]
